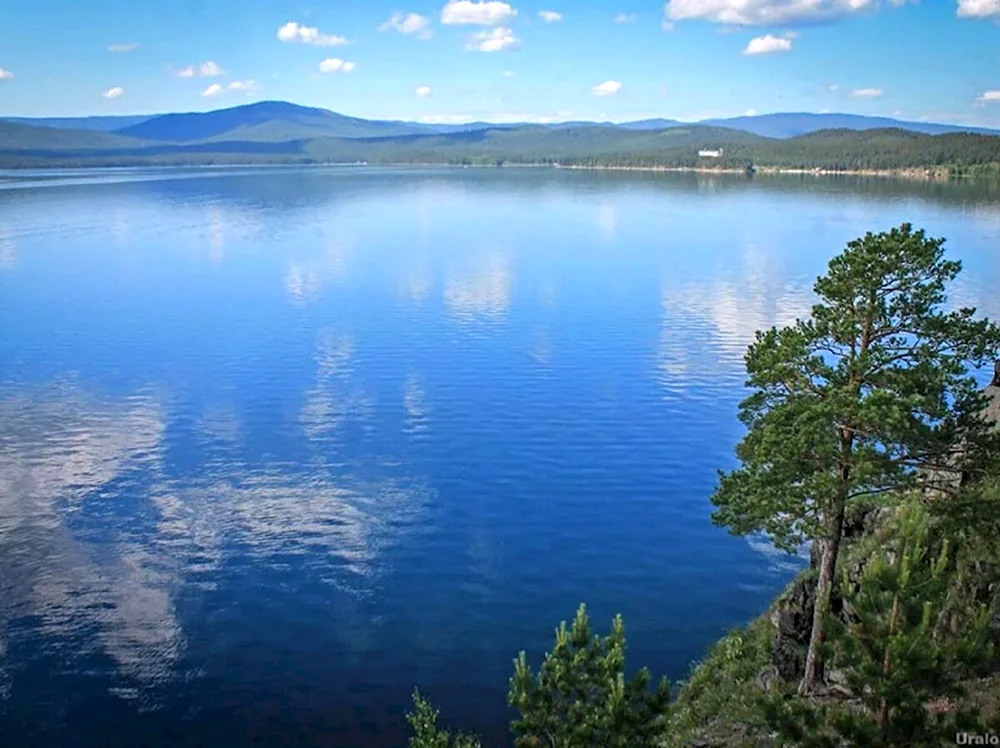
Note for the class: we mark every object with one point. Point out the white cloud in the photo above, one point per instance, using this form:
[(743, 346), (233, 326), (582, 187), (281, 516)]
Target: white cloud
[(496, 40), (666, 25), (987, 97), (466, 12), (625, 18), (424, 91), (750, 113), (549, 16), (409, 23), (210, 70), (979, 9), (763, 12), (608, 88), (834, 87), (205, 70), (123, 47), (334, 65), (866, 93), (293, 32), (217, 89), (508, 73), (768, 44), (113, 93), (6, 75)]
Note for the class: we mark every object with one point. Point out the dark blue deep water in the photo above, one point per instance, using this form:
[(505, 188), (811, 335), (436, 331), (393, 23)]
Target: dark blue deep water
[(277, 446)]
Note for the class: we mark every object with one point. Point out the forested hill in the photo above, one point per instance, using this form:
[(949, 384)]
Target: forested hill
[(678, 146)]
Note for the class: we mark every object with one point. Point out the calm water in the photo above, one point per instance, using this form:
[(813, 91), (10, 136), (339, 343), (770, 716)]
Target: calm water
[(277, 446)]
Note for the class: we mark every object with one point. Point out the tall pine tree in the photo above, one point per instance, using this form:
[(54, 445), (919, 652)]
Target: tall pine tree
[(869, 395)]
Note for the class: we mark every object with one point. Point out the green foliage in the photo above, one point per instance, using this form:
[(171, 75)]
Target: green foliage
[(905, 672), (878, 364), (426, 733), (580, 698), (722, 689)]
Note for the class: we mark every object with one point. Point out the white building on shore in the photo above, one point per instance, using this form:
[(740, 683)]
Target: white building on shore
[(710, 154)]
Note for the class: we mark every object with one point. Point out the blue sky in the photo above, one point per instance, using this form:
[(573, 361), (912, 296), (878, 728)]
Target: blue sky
[(534, 60)]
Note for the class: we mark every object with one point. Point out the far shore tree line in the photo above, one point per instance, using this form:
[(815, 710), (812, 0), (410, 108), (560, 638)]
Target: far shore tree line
[(871, 401), (954, 154)]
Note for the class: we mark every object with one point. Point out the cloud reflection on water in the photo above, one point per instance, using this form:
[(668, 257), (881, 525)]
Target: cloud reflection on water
[(480, 292), (81, 555), (733, 308), (8, 251), (59, 451), (336, 397)]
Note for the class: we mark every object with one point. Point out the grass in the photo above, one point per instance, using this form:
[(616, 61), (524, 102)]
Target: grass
[(719, 696)]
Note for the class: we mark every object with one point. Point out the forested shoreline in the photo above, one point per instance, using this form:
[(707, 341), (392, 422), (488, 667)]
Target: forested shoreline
[(886, 151)]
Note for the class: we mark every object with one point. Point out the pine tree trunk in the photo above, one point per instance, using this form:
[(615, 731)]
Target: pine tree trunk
[(824, 588)]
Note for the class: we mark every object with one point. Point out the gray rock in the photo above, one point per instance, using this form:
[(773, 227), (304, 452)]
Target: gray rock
[(791, 619), (767, 678)]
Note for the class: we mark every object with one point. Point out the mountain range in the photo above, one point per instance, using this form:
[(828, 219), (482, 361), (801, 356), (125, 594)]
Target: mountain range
[(268, 119), (281, 132)]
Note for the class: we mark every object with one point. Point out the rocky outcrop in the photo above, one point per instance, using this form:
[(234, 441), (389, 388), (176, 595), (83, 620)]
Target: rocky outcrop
[(791, 620)]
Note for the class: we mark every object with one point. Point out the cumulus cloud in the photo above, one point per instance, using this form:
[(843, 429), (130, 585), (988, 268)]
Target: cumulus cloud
[(495, 40), (424, 91), (466, 12), (763, 12), (6, 75), (113, 93), (768, 44), (979, 9), (549, 16), (608, 88), (216, 89), (123, 47), (625, 18), (866, 93), (294, 32), (205, 70), (412, 24), (210, 70), (335, 65), (987, 97)]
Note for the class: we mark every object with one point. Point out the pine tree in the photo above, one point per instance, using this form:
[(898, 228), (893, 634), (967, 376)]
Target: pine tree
[(580, 698), (905, 674), (857, 401), (426, 733)]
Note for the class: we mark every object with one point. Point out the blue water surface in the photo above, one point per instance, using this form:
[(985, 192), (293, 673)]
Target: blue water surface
[(279, 445)]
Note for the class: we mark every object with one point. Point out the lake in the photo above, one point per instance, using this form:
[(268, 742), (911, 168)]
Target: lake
[(279, 445)]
